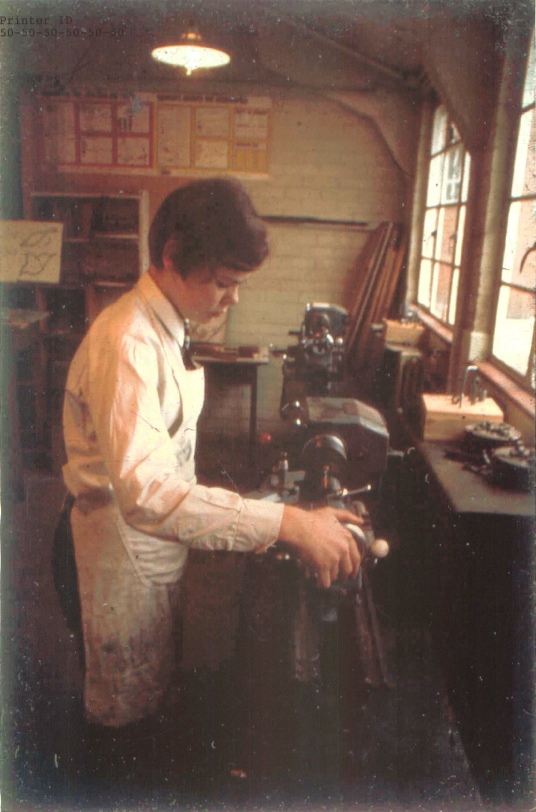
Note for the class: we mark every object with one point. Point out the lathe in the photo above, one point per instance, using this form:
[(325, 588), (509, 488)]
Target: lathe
[(317, 395), (303, 650), (317, 482), (337, 457), (308, 655)]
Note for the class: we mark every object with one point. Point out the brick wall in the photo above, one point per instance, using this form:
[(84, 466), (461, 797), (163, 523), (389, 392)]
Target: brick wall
[(329, 164)]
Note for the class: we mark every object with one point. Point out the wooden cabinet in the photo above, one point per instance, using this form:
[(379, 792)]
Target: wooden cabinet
[(104, 251)]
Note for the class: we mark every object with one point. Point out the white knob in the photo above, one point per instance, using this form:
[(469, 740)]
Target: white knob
[(379, 548)]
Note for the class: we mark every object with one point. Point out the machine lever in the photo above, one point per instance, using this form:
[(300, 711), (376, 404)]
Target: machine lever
[(378, 548), (357, 491)]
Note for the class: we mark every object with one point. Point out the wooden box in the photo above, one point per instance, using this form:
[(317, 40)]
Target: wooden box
[(402, 332), (441, 419)]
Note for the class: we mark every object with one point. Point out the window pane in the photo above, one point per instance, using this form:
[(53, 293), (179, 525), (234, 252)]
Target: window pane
[(444, 218), (435, 179), (525, 165), (452, 133), (439, 130), (454, 295), (513, 328), (452, 175), (529, 89), (520, 235), (459, 236), (425, 278), (440, 290), (429, 233), (466, 175), (446, 234)]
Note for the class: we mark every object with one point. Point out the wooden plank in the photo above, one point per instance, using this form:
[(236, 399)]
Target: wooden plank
[(382, 285), (398, 264), (361, 270), (363, 305)]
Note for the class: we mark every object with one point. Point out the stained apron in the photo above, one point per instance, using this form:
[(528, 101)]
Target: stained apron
[(130, 613)]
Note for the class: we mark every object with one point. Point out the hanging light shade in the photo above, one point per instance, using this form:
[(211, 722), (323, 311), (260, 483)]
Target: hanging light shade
[(191, 53)]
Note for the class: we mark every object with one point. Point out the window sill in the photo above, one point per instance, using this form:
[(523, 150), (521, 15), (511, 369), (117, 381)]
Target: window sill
[(437, 327), (500, 380), (523, 400)]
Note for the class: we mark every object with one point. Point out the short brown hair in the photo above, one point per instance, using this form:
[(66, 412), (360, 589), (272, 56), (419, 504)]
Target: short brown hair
[(213, 223)]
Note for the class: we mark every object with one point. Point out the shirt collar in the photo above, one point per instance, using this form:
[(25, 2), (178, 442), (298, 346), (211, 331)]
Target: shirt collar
[(162, 307)]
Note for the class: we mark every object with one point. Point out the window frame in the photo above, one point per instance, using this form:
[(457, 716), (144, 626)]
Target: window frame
[(445, 141), (527, 380)]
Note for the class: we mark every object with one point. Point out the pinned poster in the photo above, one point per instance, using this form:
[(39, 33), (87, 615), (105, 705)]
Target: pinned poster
[(30, 251)]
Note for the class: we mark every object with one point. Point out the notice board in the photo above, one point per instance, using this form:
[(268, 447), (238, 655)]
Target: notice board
[(151, 134)]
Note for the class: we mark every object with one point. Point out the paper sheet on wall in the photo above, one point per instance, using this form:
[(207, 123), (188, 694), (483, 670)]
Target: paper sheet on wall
[(95, 118), (251, 124), (30, 251), (212, 122), (133, 151), (134, 117), (211, 154), (95, 149), (174, 122), (59, 132)]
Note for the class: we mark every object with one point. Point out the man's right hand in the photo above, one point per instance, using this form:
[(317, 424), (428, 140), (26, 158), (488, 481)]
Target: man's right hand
[(326, 547)]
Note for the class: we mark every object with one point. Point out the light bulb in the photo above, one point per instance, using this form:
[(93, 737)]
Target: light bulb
[(191, 53)]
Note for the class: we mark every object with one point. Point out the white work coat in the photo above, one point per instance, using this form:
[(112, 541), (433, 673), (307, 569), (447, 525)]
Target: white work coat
[(130, 414)]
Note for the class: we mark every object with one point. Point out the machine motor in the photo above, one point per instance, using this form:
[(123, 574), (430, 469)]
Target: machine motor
[(362, 428)]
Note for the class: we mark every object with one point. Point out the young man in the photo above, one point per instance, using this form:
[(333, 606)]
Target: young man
[(130, 415)]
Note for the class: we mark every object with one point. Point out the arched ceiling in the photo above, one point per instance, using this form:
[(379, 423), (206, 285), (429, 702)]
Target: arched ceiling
[(337, 45)]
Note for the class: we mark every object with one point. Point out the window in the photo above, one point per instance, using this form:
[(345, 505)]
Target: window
[(444, 219), (513, 336)]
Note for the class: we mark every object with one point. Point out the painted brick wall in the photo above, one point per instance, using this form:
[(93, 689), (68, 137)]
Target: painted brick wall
[(326, 163)]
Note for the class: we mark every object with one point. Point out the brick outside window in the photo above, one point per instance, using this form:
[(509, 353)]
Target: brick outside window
[(444, 220), (513, 335)]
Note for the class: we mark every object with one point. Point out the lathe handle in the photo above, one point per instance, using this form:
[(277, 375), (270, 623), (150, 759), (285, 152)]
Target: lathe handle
[(379, 548)]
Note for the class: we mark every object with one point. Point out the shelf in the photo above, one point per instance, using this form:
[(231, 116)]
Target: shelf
[(88, 218), (112, 283), (114, 236), (104, 235), (76, 285), (84, 196), (101, 235)]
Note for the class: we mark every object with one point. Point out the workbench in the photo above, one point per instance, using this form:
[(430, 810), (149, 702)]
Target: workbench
[(468, 493), (236, 370), (479, 539)]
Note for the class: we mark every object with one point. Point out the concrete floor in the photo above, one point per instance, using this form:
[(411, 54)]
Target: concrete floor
[(404, 751)]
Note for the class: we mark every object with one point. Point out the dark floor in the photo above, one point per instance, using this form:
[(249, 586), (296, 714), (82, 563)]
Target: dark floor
[(246, 737)]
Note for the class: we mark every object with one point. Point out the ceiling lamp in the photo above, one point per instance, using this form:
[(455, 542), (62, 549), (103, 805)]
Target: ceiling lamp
[(191, 53)]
